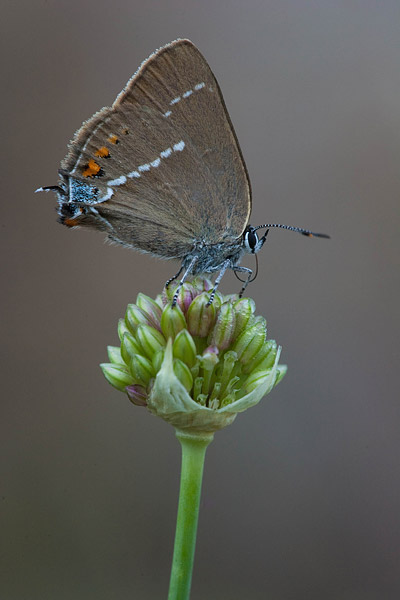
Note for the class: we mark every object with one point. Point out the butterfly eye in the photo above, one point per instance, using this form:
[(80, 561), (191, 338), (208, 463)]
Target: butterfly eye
[(250, 240)]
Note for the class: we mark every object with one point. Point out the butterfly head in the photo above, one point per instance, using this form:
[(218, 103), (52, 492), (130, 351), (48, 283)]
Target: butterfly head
[(251, 242)]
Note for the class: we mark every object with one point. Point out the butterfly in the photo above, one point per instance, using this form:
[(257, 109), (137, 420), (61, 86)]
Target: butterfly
[(161, 171)]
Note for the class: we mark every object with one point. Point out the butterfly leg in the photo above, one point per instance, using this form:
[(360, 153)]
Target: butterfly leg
[(174, 277), (182, 281), (225, 266), (249, 275)]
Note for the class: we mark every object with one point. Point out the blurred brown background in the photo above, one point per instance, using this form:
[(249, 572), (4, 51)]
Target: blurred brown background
[(301, 495)]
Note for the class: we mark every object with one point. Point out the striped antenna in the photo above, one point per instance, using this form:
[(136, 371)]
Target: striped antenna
[(297, 229)]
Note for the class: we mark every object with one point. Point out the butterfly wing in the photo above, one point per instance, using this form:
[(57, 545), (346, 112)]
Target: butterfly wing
[(163, 164)]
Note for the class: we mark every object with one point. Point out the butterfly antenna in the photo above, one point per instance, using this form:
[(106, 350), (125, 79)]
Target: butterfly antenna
[(306, 232)]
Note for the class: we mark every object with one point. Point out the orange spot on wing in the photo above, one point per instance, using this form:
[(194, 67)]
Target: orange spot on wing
[(92, 168), (113, 139), (102, 152)]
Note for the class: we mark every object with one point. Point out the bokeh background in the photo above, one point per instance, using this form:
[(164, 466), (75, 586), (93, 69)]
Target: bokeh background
[(301, 495)]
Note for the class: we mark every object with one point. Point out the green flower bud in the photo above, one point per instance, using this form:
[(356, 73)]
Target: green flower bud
[(202, 284), (255, 379), (160, 301), (264, 359), (141, 369), (118, 376), (114, 354), (185, 297), (249, 343), (201, 316), (122, 329), (224, 329), (157, 360), (172, 321), (183, 374), (244, 309), (261, 322), (129, 347), (184, 348), (134, 317), (150, 308), (150, 339), (137, 394)]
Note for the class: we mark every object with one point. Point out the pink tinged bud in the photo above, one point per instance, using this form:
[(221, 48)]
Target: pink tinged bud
[(114, 354), (184, 348), (209, 358), (185, 297), (137, 394), (150, 339), (172, 321), (183, 374), (150, 308), (224, 328), (134, 317), (118, 376), (186, 294), (129, 347), (141, 369), (200, 316), (249, 343)]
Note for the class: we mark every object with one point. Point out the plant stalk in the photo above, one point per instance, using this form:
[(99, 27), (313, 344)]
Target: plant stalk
[(193, 455)]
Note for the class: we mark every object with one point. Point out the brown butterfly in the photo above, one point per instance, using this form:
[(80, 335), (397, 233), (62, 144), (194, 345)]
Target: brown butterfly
[(161, 171)]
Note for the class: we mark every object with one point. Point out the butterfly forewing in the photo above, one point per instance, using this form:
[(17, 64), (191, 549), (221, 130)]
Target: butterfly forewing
[(164, 160)]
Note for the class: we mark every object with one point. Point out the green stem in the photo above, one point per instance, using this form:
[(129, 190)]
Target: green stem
[(193, 454)]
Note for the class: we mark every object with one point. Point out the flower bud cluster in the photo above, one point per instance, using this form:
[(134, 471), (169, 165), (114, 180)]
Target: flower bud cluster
[(208, 356)]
